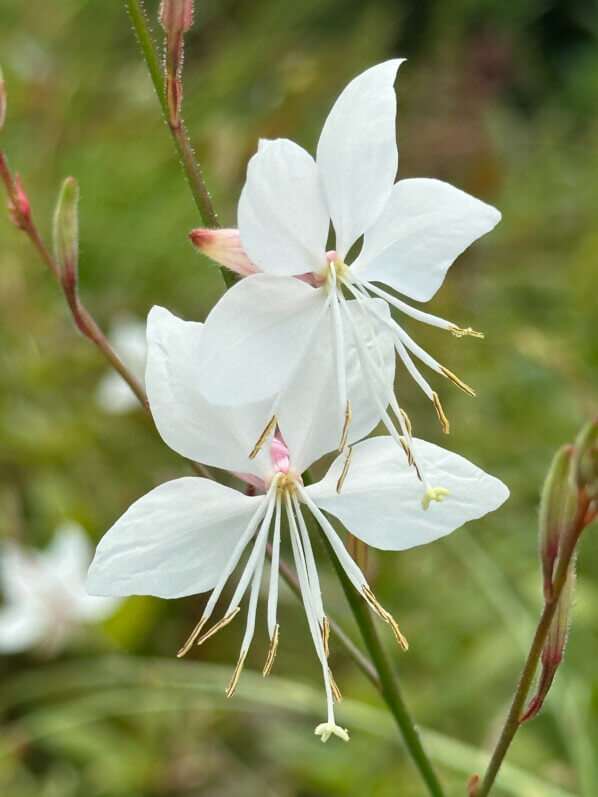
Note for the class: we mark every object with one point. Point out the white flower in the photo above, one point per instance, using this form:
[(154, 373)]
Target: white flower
[(44, 592), (187, 536), (260, 334), (128, 338)]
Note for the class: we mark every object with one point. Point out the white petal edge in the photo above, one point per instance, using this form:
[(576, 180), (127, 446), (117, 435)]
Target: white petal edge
[(425, 225), (218, 436), (380, 501), (283, 221), (21, 628), (357, 153), (174, 541)]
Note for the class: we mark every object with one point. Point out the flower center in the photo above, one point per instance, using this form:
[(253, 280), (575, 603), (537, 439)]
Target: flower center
[(336, 269)]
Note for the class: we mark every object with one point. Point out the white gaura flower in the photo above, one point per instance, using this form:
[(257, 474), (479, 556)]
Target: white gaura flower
[(261, 332), (187, 536), (113, 394), (44, 593)]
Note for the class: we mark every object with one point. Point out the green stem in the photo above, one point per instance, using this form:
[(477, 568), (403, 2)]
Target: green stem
[(183, 147), (389, 685)]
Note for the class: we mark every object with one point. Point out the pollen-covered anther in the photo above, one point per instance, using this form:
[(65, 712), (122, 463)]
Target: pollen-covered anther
[(459, 333), (459, 382), (405, 417), (325, 629), (192, 637), (446, 427), (271, 652), (407, 450), (270, 426), (346, 425), (230, 691), (345, 470), (220, 624), (386, 616), (434, 494), (327, 729), (336, 692)]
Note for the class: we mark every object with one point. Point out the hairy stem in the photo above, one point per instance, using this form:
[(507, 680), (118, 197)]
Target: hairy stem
[(512, 722)]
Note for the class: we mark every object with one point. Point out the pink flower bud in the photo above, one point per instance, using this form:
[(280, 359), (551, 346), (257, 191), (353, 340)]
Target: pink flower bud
[(558, 510), (19, 208), (176, 16), (585, 460), (2, 99), (223, 246)]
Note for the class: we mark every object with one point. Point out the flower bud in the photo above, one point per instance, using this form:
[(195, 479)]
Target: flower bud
[(558, 509), (2, 99), (19, 208), (223, 246), (585, 459), (176, 16), (554, 646), (66, 232)]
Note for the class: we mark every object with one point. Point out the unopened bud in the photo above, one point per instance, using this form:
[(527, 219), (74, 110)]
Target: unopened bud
[(585, 459), (66, 232), (2, 99), (558, 508), (224, 246), (19, 208), (554, 646), (176, 16)]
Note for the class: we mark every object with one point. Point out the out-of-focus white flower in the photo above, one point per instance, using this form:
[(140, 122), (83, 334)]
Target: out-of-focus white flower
[(128, 338), (259, 335), (44, 592), (188, 535)]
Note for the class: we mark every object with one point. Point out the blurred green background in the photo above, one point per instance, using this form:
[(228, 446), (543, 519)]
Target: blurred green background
[(499, 99)]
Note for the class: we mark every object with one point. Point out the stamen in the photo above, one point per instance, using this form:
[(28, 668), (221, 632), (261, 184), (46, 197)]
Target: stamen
[(343, 475), (220, 624), (459, 333), (346, 426), (459, 382), (406, 419), (264, 436), (271, 652), (236, 675), (386, 616), (326, 729), (446, 427), (326, 634), (336, 692), (193, 636), (434, 494)]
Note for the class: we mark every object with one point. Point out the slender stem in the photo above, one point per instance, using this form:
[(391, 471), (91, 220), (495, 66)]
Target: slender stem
[(183, 147), (512, 722), (389, 685)]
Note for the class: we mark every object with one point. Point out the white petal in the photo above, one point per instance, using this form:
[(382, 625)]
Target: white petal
[(283, 221), (311, 417), (188, 423), (114, 395), (424, 226), (69, 554), (174, 541), (380, 501), (20, 629), (357, 152), (19, 573), (254, 336)]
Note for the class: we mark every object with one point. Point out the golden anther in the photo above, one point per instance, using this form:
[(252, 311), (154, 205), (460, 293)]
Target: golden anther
[(236, 675), (386, 616), (446, 427), (194, 634), (459, 333), (220, 624), (407, 421), (336, 692), (459, 382), (343, 475), (407, 450), (271, 652), (325, 629), (264, 436), (346, 426)]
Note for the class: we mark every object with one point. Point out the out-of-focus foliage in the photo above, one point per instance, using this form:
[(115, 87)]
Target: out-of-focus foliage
[(498, 98)]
